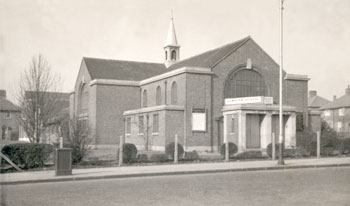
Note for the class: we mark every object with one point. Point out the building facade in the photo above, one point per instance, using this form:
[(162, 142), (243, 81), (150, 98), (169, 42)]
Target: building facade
[(226, 94), (337, 114), (8, 119)]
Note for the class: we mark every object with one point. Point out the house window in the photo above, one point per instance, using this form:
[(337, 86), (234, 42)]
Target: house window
[(327, 113), (155, 123), (141, 125), (159, 96), (8, 114), (174, 93), (144, 98), (128, 125), (341, 111)]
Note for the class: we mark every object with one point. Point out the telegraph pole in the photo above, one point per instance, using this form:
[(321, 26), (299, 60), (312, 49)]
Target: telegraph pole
[(280, 158)]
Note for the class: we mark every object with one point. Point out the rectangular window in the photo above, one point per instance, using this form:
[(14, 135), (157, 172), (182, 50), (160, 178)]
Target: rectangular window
[(128, 125), (199, 120), (8, 114), (141, 125), (340, 126), (341, 111), (232, 125), (327, 113), (155, 123)]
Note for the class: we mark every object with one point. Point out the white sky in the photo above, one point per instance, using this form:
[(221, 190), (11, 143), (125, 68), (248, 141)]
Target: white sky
[(317, 34)]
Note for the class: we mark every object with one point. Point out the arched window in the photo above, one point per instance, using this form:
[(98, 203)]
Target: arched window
[(83, 99), (159, 96), (144, 98), (174, 93), (245, 83), (173, 55)]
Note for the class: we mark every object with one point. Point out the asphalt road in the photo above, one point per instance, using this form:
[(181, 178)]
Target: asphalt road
[(323, 186)]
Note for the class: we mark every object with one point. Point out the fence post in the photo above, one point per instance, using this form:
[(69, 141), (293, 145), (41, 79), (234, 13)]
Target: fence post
[(273, 146), (318, 144), (226, 152), (121, 142), (176, 151)]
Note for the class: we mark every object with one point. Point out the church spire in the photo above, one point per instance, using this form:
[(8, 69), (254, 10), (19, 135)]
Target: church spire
[(171, 48)]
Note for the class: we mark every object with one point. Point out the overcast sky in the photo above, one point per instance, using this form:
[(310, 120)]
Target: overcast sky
[(317, 34)]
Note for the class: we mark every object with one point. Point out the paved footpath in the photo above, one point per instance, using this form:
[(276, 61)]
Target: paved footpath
[(169, 169)]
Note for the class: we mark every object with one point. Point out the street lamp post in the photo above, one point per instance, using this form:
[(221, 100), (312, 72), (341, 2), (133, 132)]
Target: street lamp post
[(280, 158)]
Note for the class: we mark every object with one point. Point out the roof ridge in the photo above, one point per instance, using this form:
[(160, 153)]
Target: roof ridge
[(217, 48), (117, 60)]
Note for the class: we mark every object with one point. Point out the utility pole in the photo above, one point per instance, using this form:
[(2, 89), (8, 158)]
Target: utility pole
[(280, 158)]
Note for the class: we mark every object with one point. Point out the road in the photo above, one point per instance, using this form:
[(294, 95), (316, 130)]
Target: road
[(322, 186)]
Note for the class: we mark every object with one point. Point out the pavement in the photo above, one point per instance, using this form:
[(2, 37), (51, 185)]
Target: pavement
[(169, 169)]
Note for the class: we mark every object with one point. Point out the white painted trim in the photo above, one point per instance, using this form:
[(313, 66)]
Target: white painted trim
[(114, 82), (258, 108), (297, 77), (195, 70), (155, 108)]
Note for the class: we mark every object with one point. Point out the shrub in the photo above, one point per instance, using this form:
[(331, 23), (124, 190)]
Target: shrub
[(288, 152), (232, 149), (343, 145), (142, 158), (159, 158), (170, 148), (28, 155), (249, 155), (191, 155), (129, 152)]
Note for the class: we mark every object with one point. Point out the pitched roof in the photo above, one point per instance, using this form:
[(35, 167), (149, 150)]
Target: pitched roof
[(122, 70), (6, 105), (61, 99), (317, 101), (210, 58), (343, 101)]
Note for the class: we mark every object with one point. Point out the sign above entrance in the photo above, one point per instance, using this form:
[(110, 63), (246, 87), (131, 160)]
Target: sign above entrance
[(249, 100)]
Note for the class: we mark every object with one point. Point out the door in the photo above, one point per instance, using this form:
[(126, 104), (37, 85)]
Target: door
[(253, 131)]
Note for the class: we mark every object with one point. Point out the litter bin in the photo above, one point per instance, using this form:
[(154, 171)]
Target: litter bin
[(63, 161)]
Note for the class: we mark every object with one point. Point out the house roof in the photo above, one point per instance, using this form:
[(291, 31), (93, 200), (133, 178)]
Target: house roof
[(210, 58), (343, 101), (317, 101), (136, 71), (61, 98), (6, 105), (122, 70)]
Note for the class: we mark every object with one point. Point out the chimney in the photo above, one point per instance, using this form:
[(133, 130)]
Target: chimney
[(312, 93), (347, 91), (3, 93), (334, 97)]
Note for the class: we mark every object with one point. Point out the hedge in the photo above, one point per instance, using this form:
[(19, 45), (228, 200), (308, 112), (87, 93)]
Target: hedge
[(232, 149), (249, 155), (170, 148), (27, 155), (290, 152), (159, 158), (191, 156)]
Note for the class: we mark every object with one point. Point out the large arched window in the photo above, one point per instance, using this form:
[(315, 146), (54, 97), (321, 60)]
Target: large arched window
[(174, 93), (144, 98), (245, 83), (83, 99), (159, 96)]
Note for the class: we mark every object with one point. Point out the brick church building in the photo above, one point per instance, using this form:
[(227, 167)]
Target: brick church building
[(230, 93)]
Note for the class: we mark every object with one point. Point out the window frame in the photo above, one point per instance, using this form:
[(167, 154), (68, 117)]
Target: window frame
[(141, 124), (155, 127)]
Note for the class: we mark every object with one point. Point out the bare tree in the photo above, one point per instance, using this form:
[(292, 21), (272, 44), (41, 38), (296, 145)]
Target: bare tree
[(38, 97)]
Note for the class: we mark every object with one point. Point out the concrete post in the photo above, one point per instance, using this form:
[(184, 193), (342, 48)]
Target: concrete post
[(226, 152), (121, 142), (176, 151), (318, 144), (273, 144)]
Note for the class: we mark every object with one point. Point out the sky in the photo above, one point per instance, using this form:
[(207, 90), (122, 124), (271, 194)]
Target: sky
[(316, 34)]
